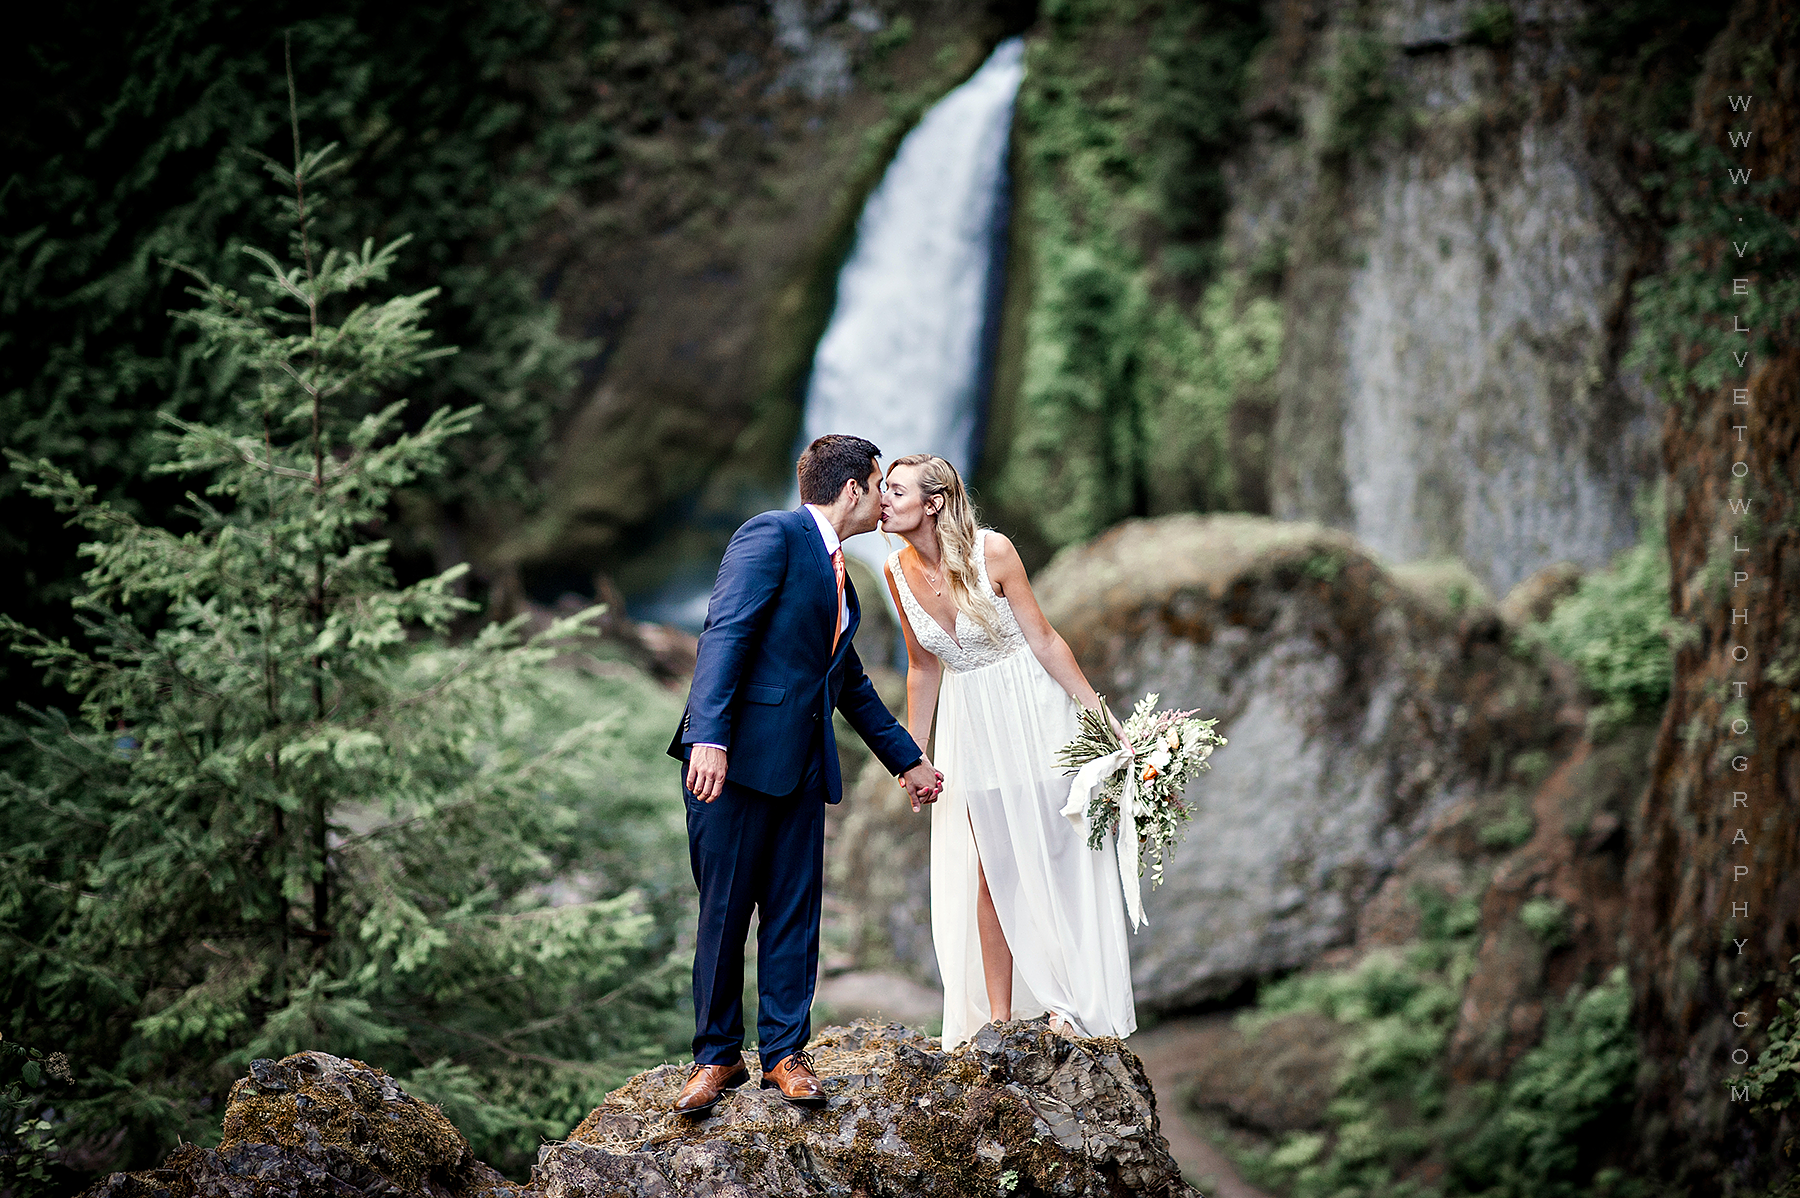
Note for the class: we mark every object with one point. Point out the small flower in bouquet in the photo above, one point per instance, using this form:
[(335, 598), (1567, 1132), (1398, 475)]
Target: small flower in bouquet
[(1144, 771)]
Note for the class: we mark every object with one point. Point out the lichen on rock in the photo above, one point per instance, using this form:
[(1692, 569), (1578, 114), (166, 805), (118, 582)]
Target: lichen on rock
[(314, 1124), (1016, 1111)]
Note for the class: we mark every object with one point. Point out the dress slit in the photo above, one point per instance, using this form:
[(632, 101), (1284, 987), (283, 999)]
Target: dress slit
[(1001, 720)]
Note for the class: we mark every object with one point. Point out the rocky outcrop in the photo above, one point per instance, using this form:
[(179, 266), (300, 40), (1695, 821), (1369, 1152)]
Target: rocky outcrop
[(1016, 1111), (1363, 703), (317, 1126), (1360, 703)]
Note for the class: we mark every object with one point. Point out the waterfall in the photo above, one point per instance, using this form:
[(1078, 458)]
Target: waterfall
[(902, 361)]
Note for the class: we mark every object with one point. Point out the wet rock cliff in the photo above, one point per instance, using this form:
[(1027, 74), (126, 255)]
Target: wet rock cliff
[(1459, 284), (1379, 279)]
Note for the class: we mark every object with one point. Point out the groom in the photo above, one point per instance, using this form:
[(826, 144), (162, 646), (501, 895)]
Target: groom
[(775, 659)]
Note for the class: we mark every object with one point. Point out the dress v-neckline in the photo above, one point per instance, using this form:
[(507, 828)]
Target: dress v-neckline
[(949, 632)]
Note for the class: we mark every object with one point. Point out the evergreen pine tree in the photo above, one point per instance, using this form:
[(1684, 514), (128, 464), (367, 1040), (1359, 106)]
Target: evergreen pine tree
[(293, 815)]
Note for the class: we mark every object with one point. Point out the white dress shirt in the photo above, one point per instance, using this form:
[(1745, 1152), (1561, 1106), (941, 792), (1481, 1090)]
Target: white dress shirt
[(832, 544)]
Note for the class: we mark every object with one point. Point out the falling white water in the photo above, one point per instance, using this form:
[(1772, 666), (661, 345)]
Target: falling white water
[(901, 361)]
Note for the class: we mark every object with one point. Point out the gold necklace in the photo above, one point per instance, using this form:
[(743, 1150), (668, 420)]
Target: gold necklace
[(931, 579)]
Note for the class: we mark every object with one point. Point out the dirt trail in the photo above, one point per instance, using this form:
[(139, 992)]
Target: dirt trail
[(1171, 1058)]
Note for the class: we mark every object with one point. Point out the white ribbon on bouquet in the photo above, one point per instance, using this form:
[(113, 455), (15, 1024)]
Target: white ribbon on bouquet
[(1089, 779)]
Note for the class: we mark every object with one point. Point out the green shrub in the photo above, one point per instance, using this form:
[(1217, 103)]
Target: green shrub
[(292, 816), (1396, 1117), (1547, 920), (1538, 1139), (1510, 830), (1197, 368), (1492, 24), (28, 1147), (1686, 314), (1615, 629), (1139, 341), (1359, 94), (1773, 1082), (1400, 1008)]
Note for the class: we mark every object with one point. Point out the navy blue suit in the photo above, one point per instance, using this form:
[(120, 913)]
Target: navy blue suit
[(765, 684)]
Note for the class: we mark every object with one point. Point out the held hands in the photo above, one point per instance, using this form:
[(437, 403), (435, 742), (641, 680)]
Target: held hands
[(923, 783), (706, 777), (1111, 719), (706, 772)]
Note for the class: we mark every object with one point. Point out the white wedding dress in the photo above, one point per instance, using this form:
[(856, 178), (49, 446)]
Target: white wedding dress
[(1001, 719)]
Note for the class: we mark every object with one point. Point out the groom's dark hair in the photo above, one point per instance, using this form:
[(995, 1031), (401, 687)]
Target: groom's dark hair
[(831, 461)]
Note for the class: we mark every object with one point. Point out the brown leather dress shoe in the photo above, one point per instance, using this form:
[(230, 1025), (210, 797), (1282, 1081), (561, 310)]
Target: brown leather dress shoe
[(706, 1083), (795, 1078)]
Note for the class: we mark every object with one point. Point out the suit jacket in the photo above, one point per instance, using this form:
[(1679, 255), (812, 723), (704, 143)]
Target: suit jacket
[(766, 680)]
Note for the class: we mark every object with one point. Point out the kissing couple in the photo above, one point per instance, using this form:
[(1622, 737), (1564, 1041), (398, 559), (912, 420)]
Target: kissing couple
[(1026, 920)]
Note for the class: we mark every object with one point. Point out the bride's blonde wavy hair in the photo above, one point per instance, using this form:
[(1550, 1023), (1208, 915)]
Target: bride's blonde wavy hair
[(956, 532)]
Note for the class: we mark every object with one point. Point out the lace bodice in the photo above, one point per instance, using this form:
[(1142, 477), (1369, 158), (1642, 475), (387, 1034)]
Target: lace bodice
[(972, 647)]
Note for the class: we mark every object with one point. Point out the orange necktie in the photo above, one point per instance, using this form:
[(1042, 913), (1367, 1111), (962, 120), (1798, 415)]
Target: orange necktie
[(837, 567)]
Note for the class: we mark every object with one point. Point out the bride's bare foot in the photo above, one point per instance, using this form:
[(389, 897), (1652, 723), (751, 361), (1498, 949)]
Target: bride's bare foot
[(1063, 1027)]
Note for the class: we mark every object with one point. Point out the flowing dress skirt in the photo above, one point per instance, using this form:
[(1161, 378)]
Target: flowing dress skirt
[(1059, 903)]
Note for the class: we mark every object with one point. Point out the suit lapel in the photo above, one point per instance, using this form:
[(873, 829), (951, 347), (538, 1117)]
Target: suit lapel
[(852, 616), (824, 572)]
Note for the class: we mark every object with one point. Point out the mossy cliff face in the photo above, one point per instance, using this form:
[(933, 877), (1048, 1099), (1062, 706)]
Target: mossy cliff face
[(1459, 287), (1375, 274), (1017, 1111), (1708, 941)]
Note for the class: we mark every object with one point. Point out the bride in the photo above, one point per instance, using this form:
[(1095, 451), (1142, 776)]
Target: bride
[(1018, 900)]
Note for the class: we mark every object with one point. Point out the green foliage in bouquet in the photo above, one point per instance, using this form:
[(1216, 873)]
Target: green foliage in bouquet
[(291, 815), (1168, 748)]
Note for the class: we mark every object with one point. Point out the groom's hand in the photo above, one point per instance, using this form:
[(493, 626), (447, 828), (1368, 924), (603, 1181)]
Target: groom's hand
[(923, 783), (706, 772)]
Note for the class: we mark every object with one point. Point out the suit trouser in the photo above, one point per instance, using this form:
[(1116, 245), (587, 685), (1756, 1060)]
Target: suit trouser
[(764, 853)]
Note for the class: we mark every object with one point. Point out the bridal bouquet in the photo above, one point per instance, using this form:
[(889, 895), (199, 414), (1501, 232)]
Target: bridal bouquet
[(1142, 774)]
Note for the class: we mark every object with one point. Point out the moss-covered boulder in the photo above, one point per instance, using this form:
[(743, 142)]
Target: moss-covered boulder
[(318, 1126), (1360, 701), (1017, 1110)]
